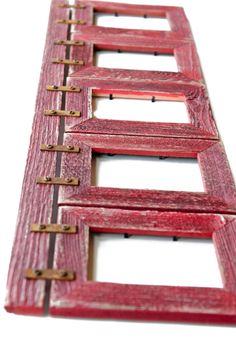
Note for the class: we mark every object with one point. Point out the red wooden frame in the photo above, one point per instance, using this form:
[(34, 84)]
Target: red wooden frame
[(184, 52), (176, 17), (219, 196), (86, 298), (201, 122), (39, 203)]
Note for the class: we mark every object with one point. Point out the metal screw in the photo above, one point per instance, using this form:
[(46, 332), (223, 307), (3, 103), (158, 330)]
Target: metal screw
[(70, 147), (63, 274), (65, 228), (72, 112), (76, 61), (77, 42), (47, 179), (55, 87), (68, 180), (38, 272), (53, 112), (72, 88), (42, 227), (50, 147)]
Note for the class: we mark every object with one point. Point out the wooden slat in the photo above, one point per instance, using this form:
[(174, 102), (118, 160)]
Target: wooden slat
[(25, 296)]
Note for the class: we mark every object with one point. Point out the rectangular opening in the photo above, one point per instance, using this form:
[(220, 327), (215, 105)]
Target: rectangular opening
[(139, 110), (131, 22), (153, 260), (142, 172), (133, 60)]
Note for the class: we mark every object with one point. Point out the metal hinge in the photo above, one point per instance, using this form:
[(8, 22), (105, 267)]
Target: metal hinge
[(74, 6), (57, 180), (68, 43), (62, 113), (54, 228), (71, 22), (49, 274), (67, 61), (64, 88), (60, 148)]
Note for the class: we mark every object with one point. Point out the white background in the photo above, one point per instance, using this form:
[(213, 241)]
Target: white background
[(23, 29)]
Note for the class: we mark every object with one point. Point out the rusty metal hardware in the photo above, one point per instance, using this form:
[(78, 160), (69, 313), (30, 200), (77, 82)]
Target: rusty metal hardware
[(57, 180), (54, 228), (70, 89), (62, 113), (73, 6), (60, 148), (67, 61), (68, 43), (49, 274), (71, 22)]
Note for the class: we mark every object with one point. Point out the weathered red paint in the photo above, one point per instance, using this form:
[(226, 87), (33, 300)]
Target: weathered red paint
[(152, 212)]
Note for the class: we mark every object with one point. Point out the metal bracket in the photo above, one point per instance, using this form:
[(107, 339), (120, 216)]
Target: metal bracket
[(60, 148), (63, 88), (62, 113), (71, 22), (74, 6), (54, 228), (57, 180), (68, 43), (67, 61), (49, 274)]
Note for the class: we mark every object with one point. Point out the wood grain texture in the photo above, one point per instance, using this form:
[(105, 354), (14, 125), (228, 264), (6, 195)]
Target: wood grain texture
[(31, 249), (87, 195), (201, 122), (180, 28), (86, 298)]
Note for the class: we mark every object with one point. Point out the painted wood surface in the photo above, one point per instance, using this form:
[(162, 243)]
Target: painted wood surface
[(201, 122), (86, 298), (31, 249), (218, 196), (121, 210)]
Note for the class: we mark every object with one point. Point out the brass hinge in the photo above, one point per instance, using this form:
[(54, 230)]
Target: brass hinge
[(57, 180), (62, 113), (49, 274), (74, 6), (71, 22), (54, 228), (60, 148), (68, 43), (67, 61), (64, 88)]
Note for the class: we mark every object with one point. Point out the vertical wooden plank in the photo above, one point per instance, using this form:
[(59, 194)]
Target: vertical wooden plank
[(31, 249)]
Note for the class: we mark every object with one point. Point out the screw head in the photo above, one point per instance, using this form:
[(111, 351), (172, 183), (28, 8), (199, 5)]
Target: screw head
[(69, 147), (47, 179), (38, 272), (63, 274), (72, 112), (42, 227), (55, 87), (76, 61), (50, 147), (65, 227), (72, 88), (53, 112), (69, 180)]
